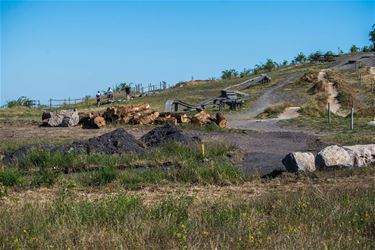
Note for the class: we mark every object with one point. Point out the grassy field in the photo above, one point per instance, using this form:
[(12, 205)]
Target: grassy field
[(327, 210)]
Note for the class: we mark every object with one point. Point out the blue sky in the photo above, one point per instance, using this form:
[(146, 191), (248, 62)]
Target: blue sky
[(67, 48)]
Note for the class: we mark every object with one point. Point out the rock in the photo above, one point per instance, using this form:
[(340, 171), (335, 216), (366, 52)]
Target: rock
[(333, 156), (372, 123), (299, 161), (60, 118), (362, 155), (168, 133)]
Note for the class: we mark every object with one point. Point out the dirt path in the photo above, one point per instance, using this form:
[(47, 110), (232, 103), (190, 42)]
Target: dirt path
[(332, 95), (264, 150), (246, 119)]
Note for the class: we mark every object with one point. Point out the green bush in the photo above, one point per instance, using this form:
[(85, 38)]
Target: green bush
[(102, 176), (10, 177)]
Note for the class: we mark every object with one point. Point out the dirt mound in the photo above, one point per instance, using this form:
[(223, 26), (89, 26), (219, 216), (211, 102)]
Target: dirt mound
[(167, 133), (115, 142), (311, 77), (13, 157)]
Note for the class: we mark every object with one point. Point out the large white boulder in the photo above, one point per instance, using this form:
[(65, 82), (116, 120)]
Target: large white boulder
[(61, 118), (362, 155), (299, 161), (333, 156)]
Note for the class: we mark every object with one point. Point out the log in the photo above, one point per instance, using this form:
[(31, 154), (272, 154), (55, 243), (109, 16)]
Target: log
[(201, 118), (99, 121), (221, 120), (165, 114), (164, 120), (94, 122), (181, 118)]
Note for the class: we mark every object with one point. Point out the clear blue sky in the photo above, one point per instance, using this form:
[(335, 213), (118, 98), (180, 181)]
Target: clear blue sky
[(62, 49)]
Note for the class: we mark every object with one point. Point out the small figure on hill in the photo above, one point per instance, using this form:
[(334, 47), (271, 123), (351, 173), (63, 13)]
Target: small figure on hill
[(110, 94), (98, 95), (127, 91)]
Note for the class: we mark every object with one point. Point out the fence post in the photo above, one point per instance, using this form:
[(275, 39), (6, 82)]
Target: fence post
[(69, 100), (50, 103), (352, 118), (329, 113)]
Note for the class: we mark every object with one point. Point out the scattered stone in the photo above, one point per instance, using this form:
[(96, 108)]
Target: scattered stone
[(333, 156), (372, 123), (299, 161), (362, 155), (167, 133), (60, 118)]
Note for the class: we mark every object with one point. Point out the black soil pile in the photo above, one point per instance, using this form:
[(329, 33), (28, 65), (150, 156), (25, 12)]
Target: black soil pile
[(12, 157), (116, 142), (168, 133)]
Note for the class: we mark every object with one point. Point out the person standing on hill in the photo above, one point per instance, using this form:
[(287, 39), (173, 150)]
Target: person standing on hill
[(110, 94), (98, 95)]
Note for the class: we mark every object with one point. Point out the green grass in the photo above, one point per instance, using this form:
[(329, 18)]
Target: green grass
[(170, 163), (333, 219), (338, 131)]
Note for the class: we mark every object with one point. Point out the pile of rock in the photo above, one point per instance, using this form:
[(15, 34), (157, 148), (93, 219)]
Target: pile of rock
[(60, 118), (331, 157)]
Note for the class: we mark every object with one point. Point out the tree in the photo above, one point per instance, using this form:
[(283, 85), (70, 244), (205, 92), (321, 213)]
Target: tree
[(372, 36), (22, 101), (300, 58), (284, 63), (270, 65), (329, 56), (315, 57), (245, 72), (229, 74), (354, 49), (366, 49)]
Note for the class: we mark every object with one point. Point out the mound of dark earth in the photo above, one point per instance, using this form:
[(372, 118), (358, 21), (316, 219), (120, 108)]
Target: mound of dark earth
[(115, 142), (12, 157), (167, 133)]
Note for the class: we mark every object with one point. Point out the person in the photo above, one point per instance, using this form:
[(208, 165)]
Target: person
[(110, 94), (98, 95)]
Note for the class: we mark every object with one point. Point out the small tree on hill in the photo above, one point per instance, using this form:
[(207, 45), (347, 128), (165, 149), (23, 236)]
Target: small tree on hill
[(270, 65), (372, 36), (245, 72), (284, 63), (229, 74), (22, 101), (300, 58), (354, 49), (315, 57), (328, 56)]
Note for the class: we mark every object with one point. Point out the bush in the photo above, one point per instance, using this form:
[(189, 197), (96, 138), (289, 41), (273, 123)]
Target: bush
[(10, 177), (102, 176)]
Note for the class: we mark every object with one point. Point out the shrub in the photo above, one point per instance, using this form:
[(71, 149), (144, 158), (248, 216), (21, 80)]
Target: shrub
[(102, 176), (10, 177)]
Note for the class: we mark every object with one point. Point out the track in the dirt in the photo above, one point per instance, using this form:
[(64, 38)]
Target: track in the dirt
[(246, 119)]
